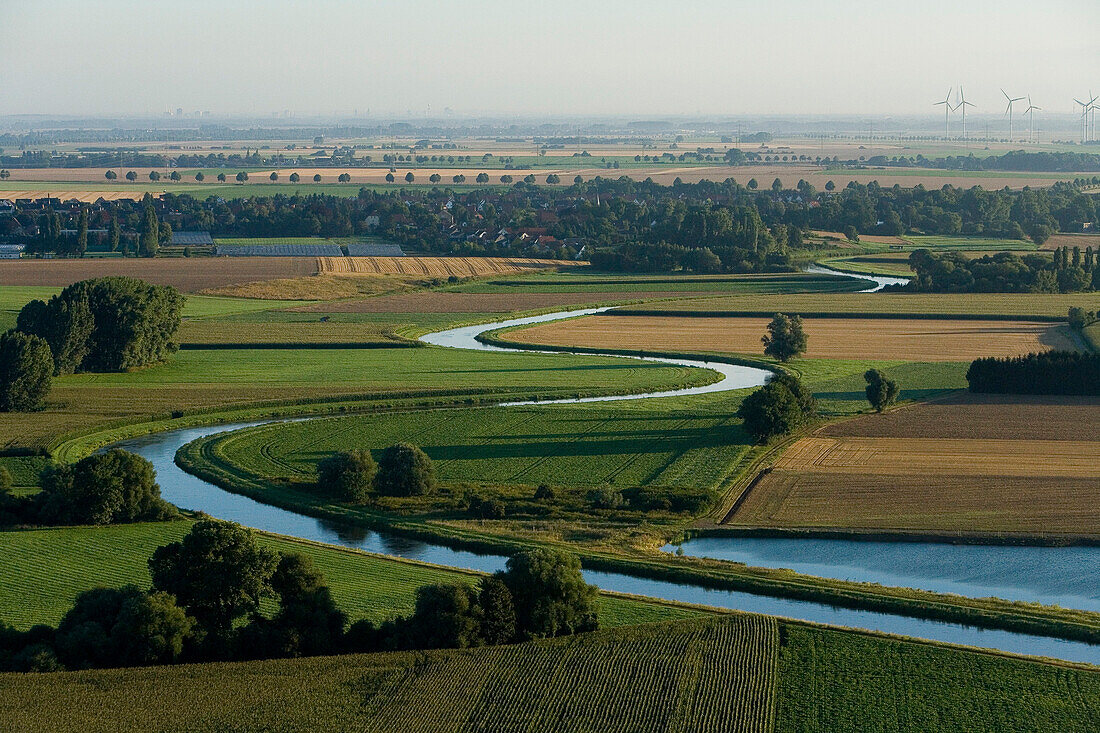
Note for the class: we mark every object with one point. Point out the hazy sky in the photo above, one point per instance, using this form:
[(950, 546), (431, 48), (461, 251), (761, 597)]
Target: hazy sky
[(601, 57)]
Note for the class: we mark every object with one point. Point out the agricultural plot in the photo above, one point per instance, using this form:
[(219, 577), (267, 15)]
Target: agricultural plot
[(445, 301), (573, 447), (45, 569), (578, 282), (190, 275), (829, 338), (435, 266), (998, 305), (968, 464)]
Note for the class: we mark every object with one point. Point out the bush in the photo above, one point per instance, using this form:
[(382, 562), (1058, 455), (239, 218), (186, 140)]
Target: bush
[(5, 480), (347, 475), (26, 370), (606, 498), (785, 338), (544, 492), (404, 470), (483, 508), (667, 499), (881, 392), (770, 411), (105, 488)]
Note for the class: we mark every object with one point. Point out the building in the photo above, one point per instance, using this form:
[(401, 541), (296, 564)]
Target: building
[(11, 251)]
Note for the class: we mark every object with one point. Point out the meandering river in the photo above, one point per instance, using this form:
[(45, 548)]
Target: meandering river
[(1065, 576)]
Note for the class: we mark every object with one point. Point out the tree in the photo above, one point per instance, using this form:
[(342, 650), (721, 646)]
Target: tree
[(164, 234), (110, 175), (850, 233), (435, 178), (785, 338), (5, 174), (154, 175), (131, 176), (242, 177), (578, 180), (881, 391), (770, 411), (753, 185), (409, 177), (549, 594), (390, 178), (294, 178), (458, 178), (348, 475), (175, 176), (200, 177), (830, 186), (344, 177), (404, 470), (217, 572), (122, 627), (5, 481), (221, 178), (482, 178), (149, 240), (498, 613), (114, 234), (446, 617), (274, 176), (103, 488), (553, 178), (777, 185), (82, 233), (308, 621), (316, 177), (506, 178), (805, 398), (26, 371)]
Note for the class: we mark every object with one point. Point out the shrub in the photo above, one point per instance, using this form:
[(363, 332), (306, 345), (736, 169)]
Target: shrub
[(404, 470), (667, 499), (487, 508), (606, 498), (770, 411), (348, 475), (5, 480), (26, 371), (881, 392), (544, 492)]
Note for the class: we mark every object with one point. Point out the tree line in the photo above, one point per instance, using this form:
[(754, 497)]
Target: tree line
[(1049, 372), (207, 590), (1004, 272)]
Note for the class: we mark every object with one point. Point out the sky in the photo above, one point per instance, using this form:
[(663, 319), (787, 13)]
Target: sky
[(414, 58)]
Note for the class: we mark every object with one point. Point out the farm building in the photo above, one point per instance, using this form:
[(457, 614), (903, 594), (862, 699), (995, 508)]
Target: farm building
[(375, 250), (191, 239), (11, 251), (280, 250)]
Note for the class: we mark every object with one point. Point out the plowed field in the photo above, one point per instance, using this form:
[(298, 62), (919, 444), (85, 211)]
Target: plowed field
[(435, 266)]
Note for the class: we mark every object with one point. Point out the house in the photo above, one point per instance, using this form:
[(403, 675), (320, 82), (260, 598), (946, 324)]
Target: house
[(190, 239)]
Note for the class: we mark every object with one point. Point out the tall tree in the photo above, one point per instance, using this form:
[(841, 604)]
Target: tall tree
[(82, 233), (26, 369), (149, 242), (785, 338)]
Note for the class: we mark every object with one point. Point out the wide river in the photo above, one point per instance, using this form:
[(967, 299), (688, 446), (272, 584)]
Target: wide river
[(1065, 576)]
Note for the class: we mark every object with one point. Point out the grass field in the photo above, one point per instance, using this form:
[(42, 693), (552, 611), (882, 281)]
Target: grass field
[(45, 569), (974, 464), (736, 673), (829, 338), (1010, 305), (580, 282)]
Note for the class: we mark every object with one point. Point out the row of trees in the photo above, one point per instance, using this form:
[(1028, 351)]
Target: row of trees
[(1004, 272), (353, 476), (207, 591), (1049, 372)]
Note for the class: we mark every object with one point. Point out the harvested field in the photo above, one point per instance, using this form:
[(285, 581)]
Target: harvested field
[(966, 463), (435, 266), (79, 195), (454, 302), (923, 456), (829, 338), (1012, 305), (188, 274), (1072, 240)]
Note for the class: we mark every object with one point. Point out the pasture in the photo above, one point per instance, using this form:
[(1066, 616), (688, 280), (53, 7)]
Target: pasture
[(575, 281), (828, 338), (992, 464), (45, 569)]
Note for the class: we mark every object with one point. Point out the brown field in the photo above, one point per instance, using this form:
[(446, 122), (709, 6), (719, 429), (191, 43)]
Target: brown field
[(317, 287), (870, 238), (969, 463), (1071, 241), (82, 196), (433, 301), (188, 274), (829, 338), (436, 266)]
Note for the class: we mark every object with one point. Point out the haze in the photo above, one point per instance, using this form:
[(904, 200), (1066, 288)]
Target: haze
[(416, 57)]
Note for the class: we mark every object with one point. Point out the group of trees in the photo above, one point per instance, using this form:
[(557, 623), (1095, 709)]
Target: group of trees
[(952, 272), (780, 407), (1049, 372), (353, 476), (208, 588), (106, 488)]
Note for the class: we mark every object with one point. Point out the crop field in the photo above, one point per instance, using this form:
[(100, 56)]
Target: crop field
[(45, 569), (829, 338), (1072, 240), (1007, 305), (574, 447), (207, 379), (574, 282), (739, 673), (190, 275), (435, 266), (835, 681), (445, 301), (219, 332), (966, 463)]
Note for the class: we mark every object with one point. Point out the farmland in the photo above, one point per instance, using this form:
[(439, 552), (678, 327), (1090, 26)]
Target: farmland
[(580, 282), (664, 677), (970, 464), (829, 338), (435, 266), (1006, 305)]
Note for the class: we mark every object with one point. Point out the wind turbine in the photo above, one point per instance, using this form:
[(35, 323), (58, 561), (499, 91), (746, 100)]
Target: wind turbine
[(1008, 110), (1030, 112), (1085, 114), (963, 104), (946, 114)]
